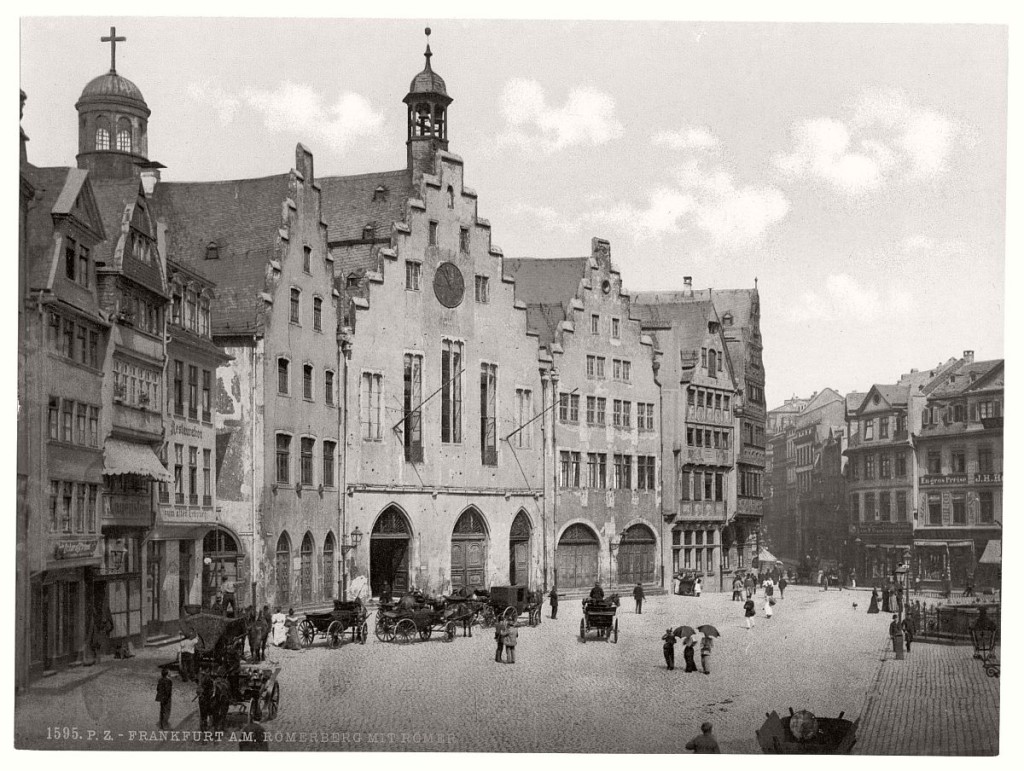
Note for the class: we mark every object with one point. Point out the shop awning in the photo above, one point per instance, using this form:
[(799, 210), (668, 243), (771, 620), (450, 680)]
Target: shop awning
[(993, 554), (766, 556), (932, 544), (961, 544), (121, 457), (172, 532)]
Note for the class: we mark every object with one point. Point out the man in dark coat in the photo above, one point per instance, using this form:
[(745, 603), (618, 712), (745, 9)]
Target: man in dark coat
[(705, 744), (499, 639), (909, 630), (669, 649), (553, 597), (638, 595), (783, 583), (597, 593), (164, 686)]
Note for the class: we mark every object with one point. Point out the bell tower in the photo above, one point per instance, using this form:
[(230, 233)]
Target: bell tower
[(427, 102)]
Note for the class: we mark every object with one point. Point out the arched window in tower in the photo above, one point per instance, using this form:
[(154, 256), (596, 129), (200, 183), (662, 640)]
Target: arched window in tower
[(102, 134), (424, 124), (439, 123), (124, 136)]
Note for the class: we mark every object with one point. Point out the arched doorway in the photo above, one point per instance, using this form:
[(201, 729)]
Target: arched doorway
[(637, 556), (389, 553), (469, 551), (220, 563), (576, 561), (283, 569), (519, 550), (329, 566), (306, 569)]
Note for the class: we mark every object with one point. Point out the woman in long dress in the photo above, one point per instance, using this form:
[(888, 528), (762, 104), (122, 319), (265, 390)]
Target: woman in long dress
[(873, 607), (292, 625)]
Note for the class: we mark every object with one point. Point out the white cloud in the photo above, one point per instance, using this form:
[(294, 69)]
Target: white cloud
[(586, 118), (730, 215), (886, 139), (546, 217), (298, 108), (694, 138), (844, 298)]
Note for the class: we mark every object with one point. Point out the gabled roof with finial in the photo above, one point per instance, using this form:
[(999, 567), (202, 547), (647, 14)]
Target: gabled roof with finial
[(428, 81)]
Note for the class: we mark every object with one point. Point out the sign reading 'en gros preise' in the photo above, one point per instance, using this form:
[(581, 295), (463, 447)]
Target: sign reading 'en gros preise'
[(930, 480)]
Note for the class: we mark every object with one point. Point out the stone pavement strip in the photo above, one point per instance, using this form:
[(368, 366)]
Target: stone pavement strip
[(937, 701), (818, 653)]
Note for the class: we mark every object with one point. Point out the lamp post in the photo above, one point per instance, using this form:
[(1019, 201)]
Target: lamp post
[(346, 547), (901, 577), (613, 548)]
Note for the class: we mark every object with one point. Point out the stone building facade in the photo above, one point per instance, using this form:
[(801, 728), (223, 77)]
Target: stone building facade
[(606, 515)]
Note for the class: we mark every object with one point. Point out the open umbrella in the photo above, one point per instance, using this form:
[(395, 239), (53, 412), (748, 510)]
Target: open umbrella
[(683, 631), (708, 631)]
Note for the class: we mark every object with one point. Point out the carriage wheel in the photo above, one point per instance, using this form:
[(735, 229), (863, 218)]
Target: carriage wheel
[(364, 632), (449, 631), (425, 632), (334, 634), (405, 630), (306, 633), (615, 632), (583, 630), (255, 713), (510, 614), (384, 630), (270, 702)]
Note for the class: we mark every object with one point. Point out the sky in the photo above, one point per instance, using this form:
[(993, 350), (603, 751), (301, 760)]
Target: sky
[(857, 172)]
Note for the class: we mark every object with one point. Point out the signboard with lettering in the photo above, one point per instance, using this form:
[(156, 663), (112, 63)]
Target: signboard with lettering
[(931, 480), (69, 550), (186, 515), (180, 428), (889, 529), (989, 478)]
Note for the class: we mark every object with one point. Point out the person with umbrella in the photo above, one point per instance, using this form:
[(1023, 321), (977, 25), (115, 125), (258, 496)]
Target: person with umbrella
[(669, 649), (783, 583), (691, 665), (706, 644)]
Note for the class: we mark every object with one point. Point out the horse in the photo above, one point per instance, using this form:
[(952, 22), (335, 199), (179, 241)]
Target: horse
[(214, 696)]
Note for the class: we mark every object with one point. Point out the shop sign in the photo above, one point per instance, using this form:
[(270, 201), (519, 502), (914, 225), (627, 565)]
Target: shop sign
[(892, 529), (930, 480), (179, 428), (69, 550), (996, 477), (186, 515)]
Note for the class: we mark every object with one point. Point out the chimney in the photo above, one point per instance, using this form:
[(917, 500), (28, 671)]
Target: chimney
[(969, 357), (688, 284), (149, 174)]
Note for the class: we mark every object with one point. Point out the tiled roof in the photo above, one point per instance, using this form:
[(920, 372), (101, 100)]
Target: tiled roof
[(957, 382), (853, 400), (350, 204), (48, 182), (546, 281), (544, 320), (113, 196), (689, 318), (242, 218), (734, 301)]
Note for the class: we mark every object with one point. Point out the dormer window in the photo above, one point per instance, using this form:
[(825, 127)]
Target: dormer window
[(212, 251), (380, 193), (727, 319), (367, 232)]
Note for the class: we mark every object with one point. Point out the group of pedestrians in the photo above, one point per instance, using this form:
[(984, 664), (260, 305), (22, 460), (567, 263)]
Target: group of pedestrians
[(669, 650), (768, 608), (506, 636)]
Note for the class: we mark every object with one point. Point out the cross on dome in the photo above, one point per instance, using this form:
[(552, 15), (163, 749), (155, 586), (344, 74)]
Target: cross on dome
[(113, 39)]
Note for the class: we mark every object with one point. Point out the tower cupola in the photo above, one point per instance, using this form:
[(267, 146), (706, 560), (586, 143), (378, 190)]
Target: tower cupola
[(112, 122), (427, 102)]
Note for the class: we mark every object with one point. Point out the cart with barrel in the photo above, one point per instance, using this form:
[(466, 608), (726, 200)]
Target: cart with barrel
[(347, 618), (803, 733)]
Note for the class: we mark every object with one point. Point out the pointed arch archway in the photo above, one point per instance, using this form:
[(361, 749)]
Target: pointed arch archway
[(637, 555), (329, 566), (469, 550), (390, 542), (519, 539), (576, 559), (283, 569)]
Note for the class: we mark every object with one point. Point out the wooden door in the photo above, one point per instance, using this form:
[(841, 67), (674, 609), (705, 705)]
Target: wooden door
[(577, 565), (468, 563), (519, 563)]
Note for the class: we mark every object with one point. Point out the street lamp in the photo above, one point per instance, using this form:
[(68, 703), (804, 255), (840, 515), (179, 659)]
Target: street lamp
[(900, 577), (345, 546), (983, 636)]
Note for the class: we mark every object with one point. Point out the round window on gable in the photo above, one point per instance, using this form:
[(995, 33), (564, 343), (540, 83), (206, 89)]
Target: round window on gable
[(606, 286)]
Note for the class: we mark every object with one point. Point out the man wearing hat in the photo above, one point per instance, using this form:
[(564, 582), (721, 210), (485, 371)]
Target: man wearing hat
[(638, 596), (597, 593), (705, 744), (164, 687), (669, 649)]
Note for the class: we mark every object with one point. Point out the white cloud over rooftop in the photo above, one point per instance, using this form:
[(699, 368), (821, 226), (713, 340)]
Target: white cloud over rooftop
[(586, 118)]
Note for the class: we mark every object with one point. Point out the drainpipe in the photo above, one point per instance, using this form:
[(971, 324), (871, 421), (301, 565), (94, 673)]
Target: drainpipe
[(252, 483), (344, 356), (554, 474), (656, 365)]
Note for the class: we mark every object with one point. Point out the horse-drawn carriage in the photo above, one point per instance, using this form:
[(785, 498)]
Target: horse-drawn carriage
[(599, 615), (225, 680), (416, 616), (508, 602), (347, 618)]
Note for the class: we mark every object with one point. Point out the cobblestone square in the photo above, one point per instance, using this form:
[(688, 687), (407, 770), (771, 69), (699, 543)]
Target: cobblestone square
[(816, 653)]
